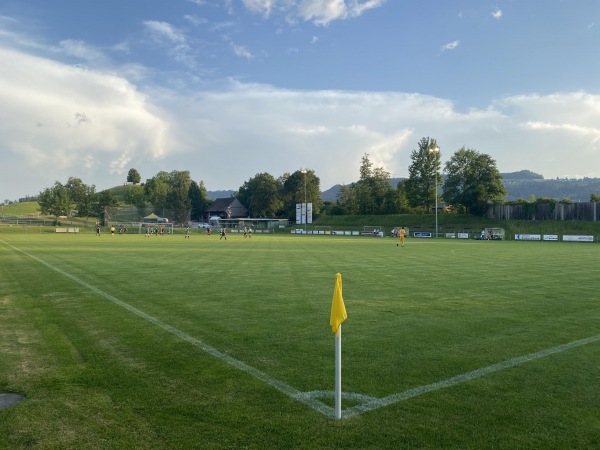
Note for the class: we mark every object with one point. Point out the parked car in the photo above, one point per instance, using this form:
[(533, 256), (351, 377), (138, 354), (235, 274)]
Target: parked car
[(204, 225)]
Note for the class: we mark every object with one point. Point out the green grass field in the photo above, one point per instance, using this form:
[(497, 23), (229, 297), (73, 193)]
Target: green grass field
[(165, 342)]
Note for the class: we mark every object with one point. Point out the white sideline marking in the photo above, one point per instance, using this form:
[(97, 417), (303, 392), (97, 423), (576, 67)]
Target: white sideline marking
[(279, 385), (310, 398)]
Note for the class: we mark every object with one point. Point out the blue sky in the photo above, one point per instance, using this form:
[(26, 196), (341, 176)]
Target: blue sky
[(230, 88)]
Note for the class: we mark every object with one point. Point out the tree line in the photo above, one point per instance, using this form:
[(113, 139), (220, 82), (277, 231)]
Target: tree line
[(171, 190), (470, 184)]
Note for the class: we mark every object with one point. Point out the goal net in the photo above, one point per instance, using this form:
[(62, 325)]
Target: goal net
[(322, 229), (146, 216), (373, 231)]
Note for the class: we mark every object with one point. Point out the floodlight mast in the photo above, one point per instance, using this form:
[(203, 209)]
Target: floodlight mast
[(436, 151), (304, 171)]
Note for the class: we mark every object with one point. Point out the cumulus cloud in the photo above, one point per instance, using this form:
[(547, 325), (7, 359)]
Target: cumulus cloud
[(571, 116), (55, 116), (279, 130), (593, 133), (59, 121), (276, 130)]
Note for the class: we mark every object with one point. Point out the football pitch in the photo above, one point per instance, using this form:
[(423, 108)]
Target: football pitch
[(167, 342)]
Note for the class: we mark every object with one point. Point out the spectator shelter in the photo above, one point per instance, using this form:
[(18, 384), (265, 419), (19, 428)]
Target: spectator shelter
[(151, 218)]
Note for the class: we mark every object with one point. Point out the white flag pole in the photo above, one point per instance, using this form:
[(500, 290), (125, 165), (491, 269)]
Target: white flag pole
[(338, 373)]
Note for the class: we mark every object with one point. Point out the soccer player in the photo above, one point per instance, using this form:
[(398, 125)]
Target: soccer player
[(187, 233), (223, 234), (401, 235)]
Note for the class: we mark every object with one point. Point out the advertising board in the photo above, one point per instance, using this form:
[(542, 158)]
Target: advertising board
[(528, 237)]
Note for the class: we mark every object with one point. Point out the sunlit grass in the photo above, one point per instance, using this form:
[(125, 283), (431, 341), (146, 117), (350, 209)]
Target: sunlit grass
[(97, 375)]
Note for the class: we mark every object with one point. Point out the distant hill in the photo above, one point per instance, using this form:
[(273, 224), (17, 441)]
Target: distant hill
[(579, 190), (522, 175), (524, 184), (213, 195)]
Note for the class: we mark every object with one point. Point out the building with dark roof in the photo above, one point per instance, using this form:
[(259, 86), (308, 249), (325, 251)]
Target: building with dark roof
[(226, 208)]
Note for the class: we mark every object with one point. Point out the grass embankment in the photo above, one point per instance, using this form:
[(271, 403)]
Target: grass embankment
[(21, 209), (107, 337)]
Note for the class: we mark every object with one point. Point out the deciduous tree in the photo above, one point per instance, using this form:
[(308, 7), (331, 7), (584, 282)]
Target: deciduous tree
[(261, 195), (473, 181), (199, 199), (293, 190), (133, 176), (157, 189), (178, 195), (55, 200), (371, 194), (423, 175)]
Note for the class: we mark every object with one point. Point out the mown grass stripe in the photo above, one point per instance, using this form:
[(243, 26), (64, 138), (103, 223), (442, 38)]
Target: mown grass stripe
[(277, 384)]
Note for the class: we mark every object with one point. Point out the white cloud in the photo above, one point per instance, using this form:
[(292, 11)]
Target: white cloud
[(119, 165), (195, 20), (174, 40), (163, 31), (276, 130), (58, 121), (450, 46), (591, 133), (260, 128), (82, 51), (260, 6), (497, 14), (320, 12), (242, 51)]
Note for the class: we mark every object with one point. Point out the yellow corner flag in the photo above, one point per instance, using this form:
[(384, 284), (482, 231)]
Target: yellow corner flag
[(338, 310)]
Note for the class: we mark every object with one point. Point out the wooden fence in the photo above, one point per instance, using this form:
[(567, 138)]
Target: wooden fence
[(545, 211)]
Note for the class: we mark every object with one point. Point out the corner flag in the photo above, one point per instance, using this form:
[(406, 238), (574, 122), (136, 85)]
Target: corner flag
[(338, 310)]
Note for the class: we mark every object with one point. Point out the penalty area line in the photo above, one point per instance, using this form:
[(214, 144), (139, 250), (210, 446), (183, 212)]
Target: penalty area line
[(285, 388)]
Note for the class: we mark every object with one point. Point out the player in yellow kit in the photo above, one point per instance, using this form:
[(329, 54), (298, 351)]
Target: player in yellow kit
[(401, 235)]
